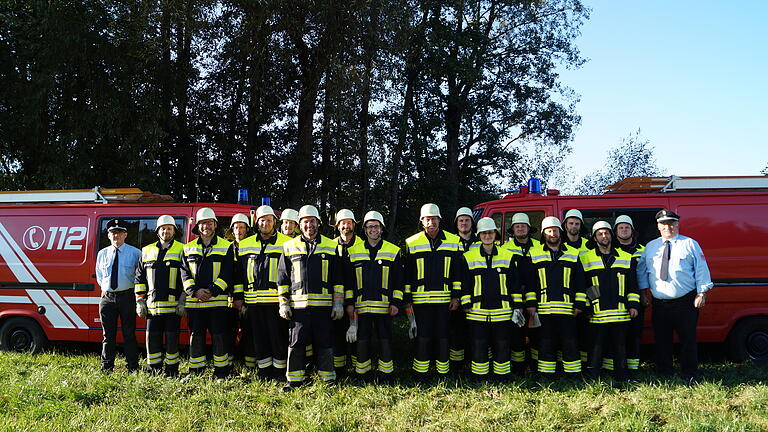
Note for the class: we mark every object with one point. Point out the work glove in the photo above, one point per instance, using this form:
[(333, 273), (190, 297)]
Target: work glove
[(181, 307), (141, 308), (535, 321), (352, 330), (338, 308), (243, 311), (285, 311), (518, 317), (412, 320)]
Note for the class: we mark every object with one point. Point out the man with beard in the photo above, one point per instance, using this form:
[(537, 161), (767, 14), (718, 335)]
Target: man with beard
[(345, 224), (432, 284), (266, 334), (160, 296), (311, 295), (520, 243), (206, 271), (612, 297), (555, 290)]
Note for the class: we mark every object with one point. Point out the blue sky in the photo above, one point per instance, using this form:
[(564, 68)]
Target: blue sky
[(691, 75)]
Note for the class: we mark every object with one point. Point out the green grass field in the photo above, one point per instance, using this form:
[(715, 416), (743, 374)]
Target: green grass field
[(63, 390)]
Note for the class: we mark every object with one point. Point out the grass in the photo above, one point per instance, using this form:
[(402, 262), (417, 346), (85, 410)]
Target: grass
[(63, 390)]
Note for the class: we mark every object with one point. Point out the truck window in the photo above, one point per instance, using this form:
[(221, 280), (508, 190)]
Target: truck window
[(644, 220), (497, 218), (141, 230), (477, 213), (535, 216)]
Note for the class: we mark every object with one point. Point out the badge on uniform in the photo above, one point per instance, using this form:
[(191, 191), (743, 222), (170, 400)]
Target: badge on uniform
[(498, 269), (167, 263), (322, 256), (379, 261)]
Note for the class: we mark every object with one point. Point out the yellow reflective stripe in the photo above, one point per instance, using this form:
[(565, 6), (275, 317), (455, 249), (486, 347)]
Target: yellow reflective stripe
[(446, 266), (250, 271), (384, 277), (359, 277), (188, 283), (595, 281), (273, 263), (324, 274), (296, 272), (567, 277), (172, 276), (193, 268), (151, 278), (543, 278), (216, 270), (419, 268), (503, 289)]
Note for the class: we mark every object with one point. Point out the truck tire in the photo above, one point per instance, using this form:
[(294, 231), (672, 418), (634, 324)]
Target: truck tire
[(22, 335), (749, 340)]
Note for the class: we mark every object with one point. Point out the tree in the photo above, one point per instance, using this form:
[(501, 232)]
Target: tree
[(764, 171), (633, 157)]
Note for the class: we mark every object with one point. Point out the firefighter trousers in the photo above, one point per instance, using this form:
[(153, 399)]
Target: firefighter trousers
[(431, 337), (340, 345), (367, 326), (458, 334), (159, 327), (609, 336), (494, 335), (267, 337), (202, 321), (310, 326), (558, 331)]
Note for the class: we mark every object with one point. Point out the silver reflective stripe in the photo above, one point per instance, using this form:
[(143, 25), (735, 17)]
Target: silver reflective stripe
[(359, 255), (475, 264), (501, 262), (419, 247), (386, 255)]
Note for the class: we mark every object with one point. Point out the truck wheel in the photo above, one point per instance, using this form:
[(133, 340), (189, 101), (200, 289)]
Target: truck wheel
[(749, 340), (22, 335)]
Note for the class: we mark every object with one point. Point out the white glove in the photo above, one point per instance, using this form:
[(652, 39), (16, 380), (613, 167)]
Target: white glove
[(243, 311), (181, 307), (535, 321), (285, 311), (352, 331), (141, 308), (412, 320), (338, 309), (518, 317)]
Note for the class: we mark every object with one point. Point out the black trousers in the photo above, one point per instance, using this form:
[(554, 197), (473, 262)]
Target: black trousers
[(202, 321), (610, 337), (494, 335), (112, 306), (679, 316), (584, 336), (340, 345), (310, 326), (558, 331), (458, 325), (266, 336), (431, 337), (634, 336), (159, 326), (367, 325)]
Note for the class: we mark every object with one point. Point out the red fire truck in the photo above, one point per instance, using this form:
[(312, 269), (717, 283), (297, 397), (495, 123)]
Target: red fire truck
[(728, 216), (48, 246)]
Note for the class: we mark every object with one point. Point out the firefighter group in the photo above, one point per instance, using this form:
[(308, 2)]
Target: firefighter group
[(565, 305)]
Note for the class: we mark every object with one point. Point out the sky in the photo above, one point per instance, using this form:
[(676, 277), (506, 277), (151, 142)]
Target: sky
[(691, 75)]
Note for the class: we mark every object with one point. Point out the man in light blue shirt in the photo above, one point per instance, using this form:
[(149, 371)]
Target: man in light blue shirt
[(115, 270), (674, 268)]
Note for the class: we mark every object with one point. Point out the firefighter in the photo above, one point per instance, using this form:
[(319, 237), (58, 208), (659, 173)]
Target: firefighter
[(432, 285), (289, 222), (490, 292), (115, 270), (612, 298), (374, 296), (310, 294), (573, 224), (239, 230), (555, 291), (520, 243), (266, 334), (345, 224), (465, 229), (160, 296), (206, 271), (627, 236)]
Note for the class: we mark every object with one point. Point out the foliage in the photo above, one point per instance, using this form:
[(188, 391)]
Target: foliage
[(62, 391), (357, 104), (632, 157)]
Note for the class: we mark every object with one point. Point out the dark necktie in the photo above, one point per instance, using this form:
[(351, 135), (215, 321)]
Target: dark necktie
[(115, 264), (664, 273)]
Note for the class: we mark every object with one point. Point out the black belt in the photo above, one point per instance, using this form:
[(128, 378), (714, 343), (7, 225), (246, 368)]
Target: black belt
[(118, 293), (686, 296)]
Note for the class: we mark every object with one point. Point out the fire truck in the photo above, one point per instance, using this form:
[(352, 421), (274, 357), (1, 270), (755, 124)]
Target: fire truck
[(48, 246), (728, 216)]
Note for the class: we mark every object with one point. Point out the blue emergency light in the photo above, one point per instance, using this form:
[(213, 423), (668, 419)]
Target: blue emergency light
[(242, 196), (266, 201), (534, 186)]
